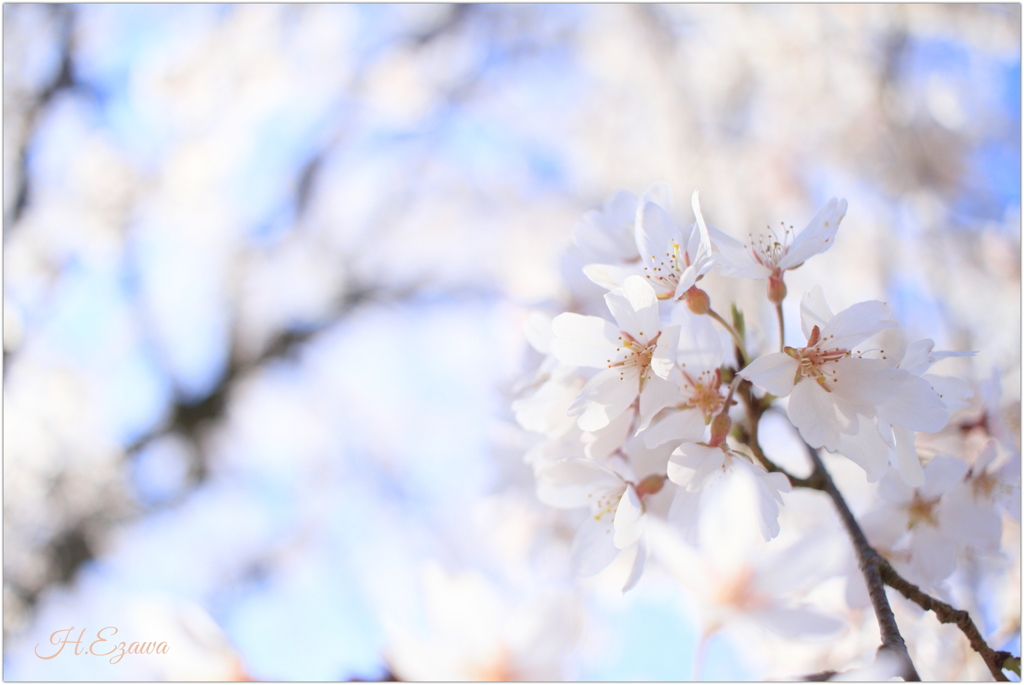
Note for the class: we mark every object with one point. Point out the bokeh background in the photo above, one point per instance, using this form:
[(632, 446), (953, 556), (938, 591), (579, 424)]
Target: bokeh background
[(266, 269)]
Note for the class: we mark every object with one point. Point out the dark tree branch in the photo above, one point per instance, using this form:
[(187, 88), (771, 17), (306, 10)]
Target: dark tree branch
[(878, 572), (870, 562), (947, 614), (748, 436)]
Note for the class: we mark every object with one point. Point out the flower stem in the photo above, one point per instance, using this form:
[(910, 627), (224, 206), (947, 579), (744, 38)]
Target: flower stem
[(782, 327), (735, 336)]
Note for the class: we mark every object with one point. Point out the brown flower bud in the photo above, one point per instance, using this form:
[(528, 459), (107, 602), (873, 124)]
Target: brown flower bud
[(697, 300), (720, 427), (650, 485), (776, 288)]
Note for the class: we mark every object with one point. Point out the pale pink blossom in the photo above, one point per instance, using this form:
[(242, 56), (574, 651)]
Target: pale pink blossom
[(832, 389), (698, 468), (923, 528), (636, 355), (616, 521), (671, 259), (769, 255), (696, 393)]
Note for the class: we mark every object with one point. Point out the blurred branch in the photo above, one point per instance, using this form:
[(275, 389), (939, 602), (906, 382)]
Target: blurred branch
[(64, 79), (819, 677), (947, 614), (187, 415)]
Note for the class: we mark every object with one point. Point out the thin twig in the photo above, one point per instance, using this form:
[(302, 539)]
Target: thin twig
[(870, 563), (947, 614), (740, 345)]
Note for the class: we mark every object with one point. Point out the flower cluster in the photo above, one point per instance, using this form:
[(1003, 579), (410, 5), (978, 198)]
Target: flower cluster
[(648, 400)]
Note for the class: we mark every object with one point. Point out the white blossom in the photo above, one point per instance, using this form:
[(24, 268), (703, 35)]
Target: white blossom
[(616, 523), (636, 355), (696, 468), (834, 390), (924, 527), (769, 255), (696, 393)]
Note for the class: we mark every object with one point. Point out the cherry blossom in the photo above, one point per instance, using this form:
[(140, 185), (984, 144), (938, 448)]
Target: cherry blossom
[(636, 356), (769, 255), (834, 390), (696, 393), (733, 578), (696, 468), (653, 391), (544, 402), (924, 527), (608, 237), (673, 259), (616, 523)]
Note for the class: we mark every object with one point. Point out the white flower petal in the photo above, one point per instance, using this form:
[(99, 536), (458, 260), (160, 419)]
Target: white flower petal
[(775, 372), (684, 513), (941, 474), (592, 548), (915, 405), (813, 411), (656, 233), (660, 194), (769, 487), (655, 395), (695, 466), (932, 556), (867, 383), (610, 276), (907, 462), (814, 311), (583, 340), (679, 425), (664, 357), (919, 356), (608, 233), (700, 344), (628, 519), (987, 455), (601, 443), (855, 324), (538, 331), (868, 451), (573, 483), (545, 411), (699, 247), (963, 521), (639, 561), (734, 258), (604, 397), (885, 525), (954, 392), (817, 236), (635, 308)]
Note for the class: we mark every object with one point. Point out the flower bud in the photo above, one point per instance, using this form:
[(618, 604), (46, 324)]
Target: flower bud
[(650, 485), (776, 289), (697, 300), (720, 427)]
